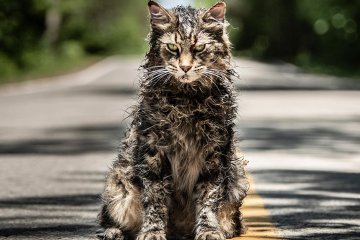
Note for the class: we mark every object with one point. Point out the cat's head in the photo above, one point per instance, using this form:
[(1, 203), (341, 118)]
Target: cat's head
[(188, 44)]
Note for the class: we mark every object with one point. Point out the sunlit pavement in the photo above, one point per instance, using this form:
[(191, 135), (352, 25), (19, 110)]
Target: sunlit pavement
[(58, 137)]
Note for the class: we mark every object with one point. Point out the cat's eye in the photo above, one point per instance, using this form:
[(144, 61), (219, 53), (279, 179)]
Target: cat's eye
[(199, 48), (172, 47)]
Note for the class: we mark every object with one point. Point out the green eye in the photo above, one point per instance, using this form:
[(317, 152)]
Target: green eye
[(172, 47), (199, 48)]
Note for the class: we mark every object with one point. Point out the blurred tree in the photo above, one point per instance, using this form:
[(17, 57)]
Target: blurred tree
[(53, 21), (21, 22), (40, 34), (335, 32), (106, 26), (316, 34)]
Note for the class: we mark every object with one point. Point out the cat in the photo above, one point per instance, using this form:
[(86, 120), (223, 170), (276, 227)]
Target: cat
[(178, 174)]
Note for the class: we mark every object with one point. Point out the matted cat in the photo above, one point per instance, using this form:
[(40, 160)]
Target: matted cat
[(178, 174)]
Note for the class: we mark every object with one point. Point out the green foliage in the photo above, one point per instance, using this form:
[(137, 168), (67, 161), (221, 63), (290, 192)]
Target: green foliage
[(108, 26), (38, 35), (322, 35), (20, 25), (335, 30), (8, 68)]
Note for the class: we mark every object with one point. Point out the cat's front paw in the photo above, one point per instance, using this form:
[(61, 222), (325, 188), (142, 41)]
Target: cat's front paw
[(153, 235), (111, 234), (210, 235)]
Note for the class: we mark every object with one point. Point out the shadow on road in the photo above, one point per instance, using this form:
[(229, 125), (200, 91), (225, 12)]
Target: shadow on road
[(320, 137), (324, 204), (71, 140), (59, 216), (323, 137), (65, 200)]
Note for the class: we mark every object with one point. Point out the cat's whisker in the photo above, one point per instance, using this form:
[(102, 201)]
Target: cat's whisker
[(150, 70), (173, 66), (156, 72), (151, 75), (168, 78), (218, 74), (156, 78), (214, 83), (172, 71), (215, 70), (158, 66), (215, 74)]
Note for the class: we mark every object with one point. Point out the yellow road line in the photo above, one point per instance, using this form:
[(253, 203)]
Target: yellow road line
[(257, 218)]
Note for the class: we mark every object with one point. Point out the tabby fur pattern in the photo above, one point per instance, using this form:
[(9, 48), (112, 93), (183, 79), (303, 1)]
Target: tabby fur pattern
[(178, 174)]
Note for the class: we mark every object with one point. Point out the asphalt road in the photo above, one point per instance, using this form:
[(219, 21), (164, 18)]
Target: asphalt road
[(59, 136)]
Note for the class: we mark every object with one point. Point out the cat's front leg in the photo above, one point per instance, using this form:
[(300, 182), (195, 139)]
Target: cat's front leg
[(154, 198), (208, 195)]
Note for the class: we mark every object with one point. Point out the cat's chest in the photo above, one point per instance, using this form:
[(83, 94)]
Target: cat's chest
[(190, 130), (187, 158)]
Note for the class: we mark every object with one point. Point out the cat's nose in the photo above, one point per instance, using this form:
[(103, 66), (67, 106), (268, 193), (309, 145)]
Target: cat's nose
[(185, 68)]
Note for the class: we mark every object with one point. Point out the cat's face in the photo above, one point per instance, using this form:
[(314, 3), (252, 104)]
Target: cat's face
[(191, 43)]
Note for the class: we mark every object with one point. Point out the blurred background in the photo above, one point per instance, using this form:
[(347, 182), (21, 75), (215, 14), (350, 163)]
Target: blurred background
[(45, 37)]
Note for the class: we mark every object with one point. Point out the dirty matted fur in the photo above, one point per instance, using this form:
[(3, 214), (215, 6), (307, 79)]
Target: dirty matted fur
[(178, 174)]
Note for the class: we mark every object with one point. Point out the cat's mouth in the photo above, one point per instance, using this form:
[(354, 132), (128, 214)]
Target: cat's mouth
[(185, 78)]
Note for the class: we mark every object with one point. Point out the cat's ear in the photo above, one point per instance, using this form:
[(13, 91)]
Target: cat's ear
[(215, 13), (159, 16)]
